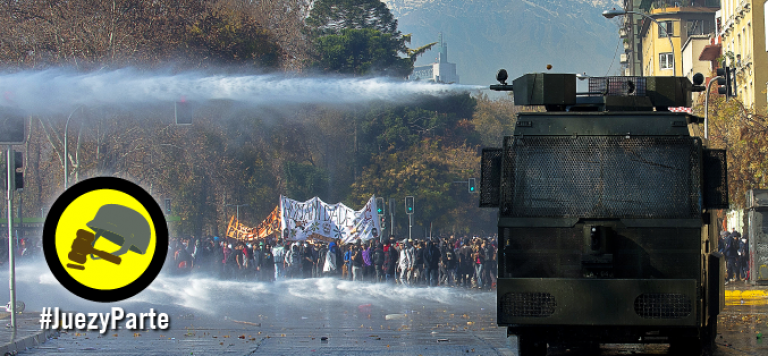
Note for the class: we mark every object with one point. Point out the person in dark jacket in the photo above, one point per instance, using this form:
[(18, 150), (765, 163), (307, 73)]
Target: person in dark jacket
[(390, 262), (257, 252), (431, 263), (377, 258), (307, 260), (465, 268), (356, 261), (268, 264), (732, 254), (721, 241), (743, 257)]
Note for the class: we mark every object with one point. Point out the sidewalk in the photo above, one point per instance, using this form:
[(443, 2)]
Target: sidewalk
[(28, 333)]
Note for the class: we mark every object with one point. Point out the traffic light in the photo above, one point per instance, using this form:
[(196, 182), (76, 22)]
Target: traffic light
[(12, 127), (168, 206), (18, 164), (409, 205), (725, 84), (183, 112), (380, 206), (471, 185)]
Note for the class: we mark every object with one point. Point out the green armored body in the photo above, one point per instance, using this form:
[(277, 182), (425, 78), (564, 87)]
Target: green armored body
[(605, 202)]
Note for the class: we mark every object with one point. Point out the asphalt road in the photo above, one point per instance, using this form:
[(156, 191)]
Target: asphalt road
[(213, 317)]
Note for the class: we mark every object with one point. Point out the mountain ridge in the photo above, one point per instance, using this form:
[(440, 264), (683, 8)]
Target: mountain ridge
[(522, 36)]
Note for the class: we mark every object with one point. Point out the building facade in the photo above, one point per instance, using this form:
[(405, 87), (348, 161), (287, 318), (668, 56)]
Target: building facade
[(647, 46), (743, 33), (440, 71), (662, 44)]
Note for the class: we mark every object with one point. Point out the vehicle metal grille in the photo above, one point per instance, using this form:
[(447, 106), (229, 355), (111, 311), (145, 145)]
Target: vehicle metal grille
[(663, 306), (490, 175), (715, 179), (634, 86), (530, 304), (631, 177)]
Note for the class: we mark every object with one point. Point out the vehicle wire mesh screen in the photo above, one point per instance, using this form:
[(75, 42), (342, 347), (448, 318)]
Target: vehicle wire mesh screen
[(633, 86), (490, 176), (631, 177), (663, 306), (532, 304), (715, 179)]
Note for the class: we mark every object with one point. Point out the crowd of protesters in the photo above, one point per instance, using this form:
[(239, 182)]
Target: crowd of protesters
[(735, 248), (455, 262), (26, 249)]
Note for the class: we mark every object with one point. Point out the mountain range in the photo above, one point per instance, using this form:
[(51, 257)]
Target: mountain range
[(522, 36)]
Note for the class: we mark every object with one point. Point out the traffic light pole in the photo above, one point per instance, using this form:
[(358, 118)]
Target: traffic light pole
[(410, 225), (11, 257), (706, 106), (391, 216)]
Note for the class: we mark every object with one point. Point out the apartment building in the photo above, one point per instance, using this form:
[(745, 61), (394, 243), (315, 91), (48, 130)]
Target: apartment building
[(742, 31)]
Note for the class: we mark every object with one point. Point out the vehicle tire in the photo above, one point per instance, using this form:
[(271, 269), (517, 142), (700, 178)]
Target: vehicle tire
[(708, 335), (528, 347), (689, 346)]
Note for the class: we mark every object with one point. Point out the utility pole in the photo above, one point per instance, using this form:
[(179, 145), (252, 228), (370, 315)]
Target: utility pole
[(392, 216), (12, 132), (409, 210), (11, 254)]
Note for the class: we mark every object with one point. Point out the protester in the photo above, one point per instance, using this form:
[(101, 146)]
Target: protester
[(378, 259), (431, 262)]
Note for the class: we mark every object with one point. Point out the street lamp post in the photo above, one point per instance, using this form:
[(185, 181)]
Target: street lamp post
[(237, 215), (706, 107), (609, 14), (66, 153)]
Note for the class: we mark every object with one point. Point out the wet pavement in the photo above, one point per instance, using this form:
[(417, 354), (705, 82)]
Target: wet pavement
[(324, 317)]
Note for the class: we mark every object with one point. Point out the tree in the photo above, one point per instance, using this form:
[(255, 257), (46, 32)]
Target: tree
[(333, 16), (363, 51), (226, 36), (427, 171), (494, 119), (744, 134)]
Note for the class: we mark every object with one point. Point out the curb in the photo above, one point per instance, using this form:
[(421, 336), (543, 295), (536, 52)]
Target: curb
[(20, 344), (746, 294)]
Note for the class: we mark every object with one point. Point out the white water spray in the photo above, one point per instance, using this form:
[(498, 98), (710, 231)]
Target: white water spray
[(57, 90), (38, 288)]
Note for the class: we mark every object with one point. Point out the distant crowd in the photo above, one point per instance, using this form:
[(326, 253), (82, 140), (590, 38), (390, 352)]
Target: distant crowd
[(455, 262), (735, 247), (26, 249)]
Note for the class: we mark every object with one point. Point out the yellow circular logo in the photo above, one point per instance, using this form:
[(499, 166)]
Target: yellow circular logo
[(105, 239)]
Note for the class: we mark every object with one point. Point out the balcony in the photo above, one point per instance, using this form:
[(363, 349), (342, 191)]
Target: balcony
[(623, 58), (673, 6)]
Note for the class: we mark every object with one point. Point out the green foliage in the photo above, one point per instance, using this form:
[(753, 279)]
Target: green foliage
[(333, 16), (426, 171), (744, 134), (304, 181), (361, 52), (226, 36)]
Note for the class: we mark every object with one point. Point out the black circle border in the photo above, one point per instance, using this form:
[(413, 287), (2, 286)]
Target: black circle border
[(49, 239)]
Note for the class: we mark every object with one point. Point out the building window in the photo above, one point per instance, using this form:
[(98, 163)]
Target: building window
[(666, 29), (666, 61), (698, 27)]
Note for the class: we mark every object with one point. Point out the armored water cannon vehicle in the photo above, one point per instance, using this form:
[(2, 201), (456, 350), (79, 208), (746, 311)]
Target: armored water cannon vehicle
[(606, 223)]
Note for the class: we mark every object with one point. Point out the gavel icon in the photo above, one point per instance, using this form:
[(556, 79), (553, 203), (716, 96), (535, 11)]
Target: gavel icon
[(83, 246)]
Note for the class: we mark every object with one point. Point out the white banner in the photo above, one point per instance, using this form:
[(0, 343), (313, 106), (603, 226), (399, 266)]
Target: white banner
[(301, 220)]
